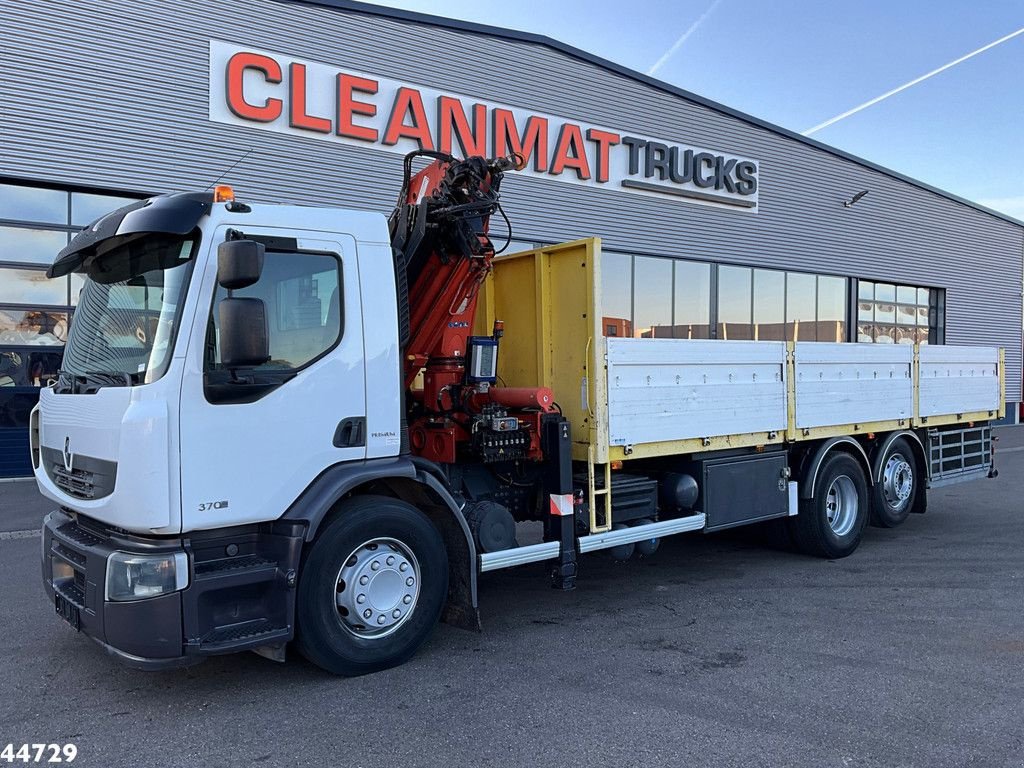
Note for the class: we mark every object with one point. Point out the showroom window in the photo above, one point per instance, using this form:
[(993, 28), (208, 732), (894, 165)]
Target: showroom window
[(692, 300), (656, 297), (735, 303), (770, 305), (652, 297), (617, 293), (35, 312), (889, 313)]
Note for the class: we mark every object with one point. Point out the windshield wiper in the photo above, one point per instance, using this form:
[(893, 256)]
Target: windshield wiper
[(109, 378)]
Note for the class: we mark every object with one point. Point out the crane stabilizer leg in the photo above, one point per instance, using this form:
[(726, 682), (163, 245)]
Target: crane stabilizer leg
[(560, 524)]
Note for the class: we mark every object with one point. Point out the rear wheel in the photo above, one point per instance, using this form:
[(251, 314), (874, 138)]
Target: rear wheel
[(832, 522), (893, 496), (372, 587)]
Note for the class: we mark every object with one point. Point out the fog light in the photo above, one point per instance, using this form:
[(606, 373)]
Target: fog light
[(136, 577), (60, 571)]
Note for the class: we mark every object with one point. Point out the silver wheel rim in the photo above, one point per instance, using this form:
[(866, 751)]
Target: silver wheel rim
[(377, 588), (897, 482), (841, 505)]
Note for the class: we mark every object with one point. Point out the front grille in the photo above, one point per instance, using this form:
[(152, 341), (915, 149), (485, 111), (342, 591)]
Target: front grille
[(88, 477), (77, 482)]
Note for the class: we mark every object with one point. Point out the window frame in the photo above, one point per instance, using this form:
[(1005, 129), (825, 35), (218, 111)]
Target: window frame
[(936, 308), (284, 374)]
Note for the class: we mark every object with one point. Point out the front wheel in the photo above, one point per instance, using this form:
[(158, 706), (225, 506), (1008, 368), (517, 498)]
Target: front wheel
[(832, 522), (372, 587)]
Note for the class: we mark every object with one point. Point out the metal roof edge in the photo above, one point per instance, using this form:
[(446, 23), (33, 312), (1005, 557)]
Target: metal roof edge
[(356, 6)]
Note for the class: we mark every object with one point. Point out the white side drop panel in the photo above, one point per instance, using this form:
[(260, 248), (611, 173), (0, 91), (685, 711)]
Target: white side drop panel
[(674, 389), (852, 383), (958, 379)]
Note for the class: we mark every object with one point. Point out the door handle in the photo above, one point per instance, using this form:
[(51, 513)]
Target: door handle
[(351, 432)]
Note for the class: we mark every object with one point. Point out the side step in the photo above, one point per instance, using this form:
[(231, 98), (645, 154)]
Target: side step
[(237, 637), (508, 558)]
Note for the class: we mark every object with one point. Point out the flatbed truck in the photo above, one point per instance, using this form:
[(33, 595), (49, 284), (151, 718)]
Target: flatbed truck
[(286, 425)]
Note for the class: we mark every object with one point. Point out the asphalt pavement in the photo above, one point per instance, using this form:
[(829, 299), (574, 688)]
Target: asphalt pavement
[(719, 650)]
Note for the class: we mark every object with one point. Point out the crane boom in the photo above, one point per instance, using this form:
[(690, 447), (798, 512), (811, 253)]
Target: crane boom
[(439, 230)]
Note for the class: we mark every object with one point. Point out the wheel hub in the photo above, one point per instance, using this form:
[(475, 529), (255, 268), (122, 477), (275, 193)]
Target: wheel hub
[(377, 588), (841, 505), (897, 481)]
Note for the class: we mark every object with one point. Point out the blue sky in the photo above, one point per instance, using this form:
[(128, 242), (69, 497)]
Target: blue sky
[(797, 63)]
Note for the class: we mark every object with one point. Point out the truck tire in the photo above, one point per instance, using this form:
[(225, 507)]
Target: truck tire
[(893, 496), (832, 522), (371, 588)]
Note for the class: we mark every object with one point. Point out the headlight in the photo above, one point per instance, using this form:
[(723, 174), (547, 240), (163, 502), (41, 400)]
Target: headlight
[(136, 577)]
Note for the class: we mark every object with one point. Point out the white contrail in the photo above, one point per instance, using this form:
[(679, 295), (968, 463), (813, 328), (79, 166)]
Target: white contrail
[(915, 81), (682, 39)]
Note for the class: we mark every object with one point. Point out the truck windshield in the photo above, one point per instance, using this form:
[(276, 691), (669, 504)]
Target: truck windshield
[(128, 312)]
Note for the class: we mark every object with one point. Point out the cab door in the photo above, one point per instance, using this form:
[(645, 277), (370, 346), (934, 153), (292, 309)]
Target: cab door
[(252, 440)]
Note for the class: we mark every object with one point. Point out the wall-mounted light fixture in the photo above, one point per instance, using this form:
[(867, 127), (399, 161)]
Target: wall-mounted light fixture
[(850, 203)]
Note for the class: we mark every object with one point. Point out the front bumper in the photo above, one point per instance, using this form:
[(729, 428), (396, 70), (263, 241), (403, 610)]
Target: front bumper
[(240, 595)]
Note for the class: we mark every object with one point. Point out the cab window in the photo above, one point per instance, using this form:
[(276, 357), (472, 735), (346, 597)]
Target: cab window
[(302, 294)]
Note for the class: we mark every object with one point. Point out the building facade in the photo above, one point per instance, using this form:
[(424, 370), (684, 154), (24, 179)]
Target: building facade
[(714, 224)]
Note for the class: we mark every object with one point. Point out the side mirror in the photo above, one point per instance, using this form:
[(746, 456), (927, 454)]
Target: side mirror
[(239, 263), (244, 340)]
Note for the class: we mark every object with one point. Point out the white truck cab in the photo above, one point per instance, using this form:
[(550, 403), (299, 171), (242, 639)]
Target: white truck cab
[(148, 439)]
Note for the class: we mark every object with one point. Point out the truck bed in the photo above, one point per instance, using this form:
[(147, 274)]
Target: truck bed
[(630, 398)]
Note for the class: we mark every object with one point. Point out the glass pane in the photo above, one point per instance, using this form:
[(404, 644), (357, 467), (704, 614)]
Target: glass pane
[(85, 209), (922, 296), (734, 294), (77, 283), (865, 311), (865, 333), (922, 316), (693, 300), (885, 292), (31, 246), (865, 290), (906, 294), (885, 313), (831, 308), (769, 305), (906, 315), (652, 297), (885, 334), (24, 368), (616, 293), (906, 335), (304, 308), (801, 312), (15, 406), (33, 326), (30, 286), (40, 206)]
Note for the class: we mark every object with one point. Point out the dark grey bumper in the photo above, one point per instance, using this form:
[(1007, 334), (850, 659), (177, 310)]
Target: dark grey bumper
[(234, 602)]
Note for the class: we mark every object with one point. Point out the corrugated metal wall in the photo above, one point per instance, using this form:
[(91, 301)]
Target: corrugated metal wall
[(115, 94)]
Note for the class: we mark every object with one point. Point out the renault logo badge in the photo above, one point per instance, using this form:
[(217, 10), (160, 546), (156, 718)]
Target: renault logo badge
[(69, 457)]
